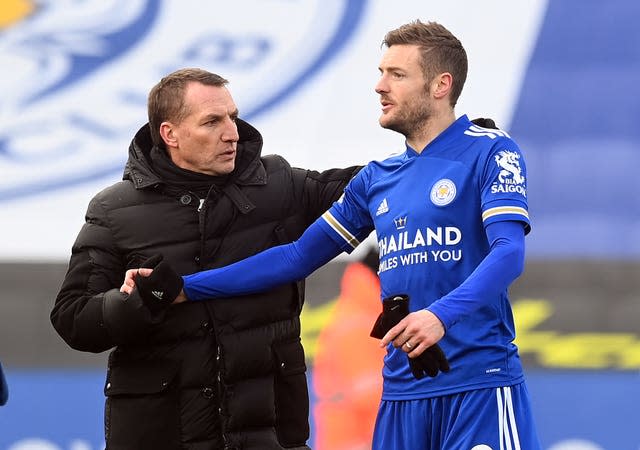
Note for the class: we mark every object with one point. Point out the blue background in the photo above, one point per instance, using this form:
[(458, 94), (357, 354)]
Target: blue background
[(63, 407)]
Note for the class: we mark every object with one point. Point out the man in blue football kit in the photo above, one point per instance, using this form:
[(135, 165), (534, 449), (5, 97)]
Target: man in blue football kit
[(450, 217)]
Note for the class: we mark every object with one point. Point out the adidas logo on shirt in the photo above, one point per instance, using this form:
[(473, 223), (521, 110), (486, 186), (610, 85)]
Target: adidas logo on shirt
[(158, 294), (383, 208)]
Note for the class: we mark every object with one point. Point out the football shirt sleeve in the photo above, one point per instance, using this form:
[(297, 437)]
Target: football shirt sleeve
[(504, 185), (348, 221), (267, 269), (339, 229), (502, 265)]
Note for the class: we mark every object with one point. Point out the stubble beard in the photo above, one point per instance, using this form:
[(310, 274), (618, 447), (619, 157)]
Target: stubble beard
[(410, 120)]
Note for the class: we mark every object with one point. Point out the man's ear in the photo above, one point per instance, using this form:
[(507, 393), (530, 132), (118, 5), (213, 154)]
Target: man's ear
[(441, 85), (168, 135)]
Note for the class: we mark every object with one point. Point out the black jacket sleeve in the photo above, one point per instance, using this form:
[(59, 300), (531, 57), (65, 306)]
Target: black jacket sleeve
[(90, 313), (322, 189)]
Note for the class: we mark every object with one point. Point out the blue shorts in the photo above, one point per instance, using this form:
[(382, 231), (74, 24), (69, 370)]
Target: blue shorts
[(483, 419)]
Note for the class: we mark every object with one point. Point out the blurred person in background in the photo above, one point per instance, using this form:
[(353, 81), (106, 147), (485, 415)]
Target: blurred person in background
[(347, 384), (450, 216), (4, 388), (228, 374)]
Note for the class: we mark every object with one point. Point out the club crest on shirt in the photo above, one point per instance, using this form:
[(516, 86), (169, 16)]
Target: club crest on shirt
[(443, 192), (510, 178)]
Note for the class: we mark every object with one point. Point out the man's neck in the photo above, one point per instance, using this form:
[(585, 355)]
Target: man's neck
[(431, 129)]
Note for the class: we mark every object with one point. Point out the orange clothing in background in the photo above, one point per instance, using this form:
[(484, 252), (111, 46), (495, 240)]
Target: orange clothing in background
[(347, 368)]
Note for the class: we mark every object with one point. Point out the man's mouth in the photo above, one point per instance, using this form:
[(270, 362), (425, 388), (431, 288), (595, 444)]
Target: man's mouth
[(229, 153), (386, 105)]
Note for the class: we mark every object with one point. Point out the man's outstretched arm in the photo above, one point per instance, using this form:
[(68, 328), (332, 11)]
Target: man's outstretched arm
[(260, 272)]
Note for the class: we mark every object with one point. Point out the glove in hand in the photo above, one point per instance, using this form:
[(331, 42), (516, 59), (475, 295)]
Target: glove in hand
[(429, 362), (161, 288)]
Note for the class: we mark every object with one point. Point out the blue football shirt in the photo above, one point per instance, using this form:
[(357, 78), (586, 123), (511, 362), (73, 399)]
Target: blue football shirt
[(429, 211)]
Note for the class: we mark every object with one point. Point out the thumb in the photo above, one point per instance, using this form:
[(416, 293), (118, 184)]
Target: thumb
[(144, 272)]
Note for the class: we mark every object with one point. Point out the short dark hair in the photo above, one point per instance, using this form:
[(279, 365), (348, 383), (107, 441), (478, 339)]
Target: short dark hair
[(441, 51), (166, 99)]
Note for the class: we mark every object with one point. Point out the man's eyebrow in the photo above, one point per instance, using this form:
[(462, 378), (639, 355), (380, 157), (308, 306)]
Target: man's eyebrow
[(210, 116), (390, 69), (233, 113)]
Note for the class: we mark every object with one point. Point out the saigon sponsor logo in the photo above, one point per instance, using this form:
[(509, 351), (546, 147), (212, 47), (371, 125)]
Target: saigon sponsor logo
[(510, 178)]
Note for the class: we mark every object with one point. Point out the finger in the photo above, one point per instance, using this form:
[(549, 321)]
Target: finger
[(130, 274), (130, 281), (412, 351), (440, 357), (401, 341), (126, 289), (416, 369), (415, 350), (144, 272), (392, 335), (430, 366)]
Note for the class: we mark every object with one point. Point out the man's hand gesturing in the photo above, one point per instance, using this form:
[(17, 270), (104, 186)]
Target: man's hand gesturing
[(157, 283)]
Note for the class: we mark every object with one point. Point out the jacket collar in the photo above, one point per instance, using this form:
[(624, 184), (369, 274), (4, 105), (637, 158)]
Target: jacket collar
[(249, 169)]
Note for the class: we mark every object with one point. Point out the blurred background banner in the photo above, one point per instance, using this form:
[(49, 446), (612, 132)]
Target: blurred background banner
[(560, 76)]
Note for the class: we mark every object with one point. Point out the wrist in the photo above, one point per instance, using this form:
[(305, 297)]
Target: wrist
[(181, 298)]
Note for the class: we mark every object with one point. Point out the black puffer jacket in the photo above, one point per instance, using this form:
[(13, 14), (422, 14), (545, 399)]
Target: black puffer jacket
[(221, 374)]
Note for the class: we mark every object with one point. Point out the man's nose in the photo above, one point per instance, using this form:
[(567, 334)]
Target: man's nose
[(230, 133), (381, 86)]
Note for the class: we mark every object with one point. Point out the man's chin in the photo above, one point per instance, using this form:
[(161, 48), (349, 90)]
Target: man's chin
[(388, 124), (223, 170), (227, 170), (384, 122)]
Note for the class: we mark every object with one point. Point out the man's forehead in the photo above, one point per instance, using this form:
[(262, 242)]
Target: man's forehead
[(400, 57), (210, 99)]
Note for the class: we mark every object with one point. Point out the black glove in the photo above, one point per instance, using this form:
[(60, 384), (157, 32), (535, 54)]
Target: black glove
[(161, 288), (485, 122), (394, 309), (429, 362)]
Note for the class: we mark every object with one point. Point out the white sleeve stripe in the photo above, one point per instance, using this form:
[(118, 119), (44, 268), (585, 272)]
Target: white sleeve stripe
[(500, 210), (342, 231)]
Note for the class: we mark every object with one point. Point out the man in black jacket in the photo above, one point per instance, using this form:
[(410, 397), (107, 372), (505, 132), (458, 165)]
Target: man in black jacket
[(228, 374)]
